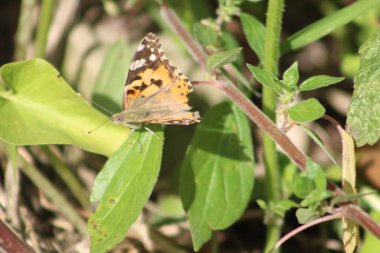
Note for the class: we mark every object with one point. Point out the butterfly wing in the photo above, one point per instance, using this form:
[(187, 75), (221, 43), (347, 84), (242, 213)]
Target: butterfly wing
[(156, 91)]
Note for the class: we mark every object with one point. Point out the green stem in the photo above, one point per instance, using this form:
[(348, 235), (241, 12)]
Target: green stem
[(43, 27), (270, 63)]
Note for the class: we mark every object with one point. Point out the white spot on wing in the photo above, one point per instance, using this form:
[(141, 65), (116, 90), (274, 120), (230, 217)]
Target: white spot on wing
[(152, 57), (137, 64), (141, 47)]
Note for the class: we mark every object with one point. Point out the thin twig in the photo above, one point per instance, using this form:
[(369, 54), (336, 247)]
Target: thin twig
[(194, 48), (306, 226)]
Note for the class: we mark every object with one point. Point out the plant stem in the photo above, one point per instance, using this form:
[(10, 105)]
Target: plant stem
[(261, 120), (308, 225), (270, 63), (10, 242), (43, 28)]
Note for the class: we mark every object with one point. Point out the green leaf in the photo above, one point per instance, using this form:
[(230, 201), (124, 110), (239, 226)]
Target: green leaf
[(306, 215), (254, 31), (205, 35), (38, 107), (310, 180), (217, 60), (316, 82), (283, 206), (302, 185), (363, 119), (328, 24), (316, 197), (317, 140), (265, 78), (216, 177), (291, 76), (109, 86), (262, 204), (315, 172), (122, 188), (306, 110)]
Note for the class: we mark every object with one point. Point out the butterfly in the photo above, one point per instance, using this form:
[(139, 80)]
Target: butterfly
[(155, 91)]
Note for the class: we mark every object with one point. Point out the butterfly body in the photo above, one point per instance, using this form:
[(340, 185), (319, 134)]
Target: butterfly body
[(156, 91)]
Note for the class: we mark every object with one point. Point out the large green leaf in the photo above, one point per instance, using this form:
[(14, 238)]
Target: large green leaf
[(363, 120), (122, 188), (254, 31), (38, 107), (217, 175)]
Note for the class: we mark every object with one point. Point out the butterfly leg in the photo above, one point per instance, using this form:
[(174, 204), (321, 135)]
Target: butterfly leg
[(150, 131)]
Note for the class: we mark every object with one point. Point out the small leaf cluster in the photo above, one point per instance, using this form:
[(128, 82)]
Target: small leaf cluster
[(287, 89), (310, 188)]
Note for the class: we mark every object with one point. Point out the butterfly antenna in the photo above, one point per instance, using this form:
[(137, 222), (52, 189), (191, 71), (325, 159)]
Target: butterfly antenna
[(150, 131), (102, 107), (96, 128)]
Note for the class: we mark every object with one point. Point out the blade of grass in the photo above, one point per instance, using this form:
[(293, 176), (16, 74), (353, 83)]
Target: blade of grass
[(326, 25), (47, 9)]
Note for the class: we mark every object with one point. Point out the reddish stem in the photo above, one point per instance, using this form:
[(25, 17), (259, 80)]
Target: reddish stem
[(306, 226), (258, 117), (261, 120), (10, 242)]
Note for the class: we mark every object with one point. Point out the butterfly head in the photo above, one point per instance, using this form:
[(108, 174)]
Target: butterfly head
[(118, 119)]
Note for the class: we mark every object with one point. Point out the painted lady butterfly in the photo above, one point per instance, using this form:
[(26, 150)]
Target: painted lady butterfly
[(155, 91)]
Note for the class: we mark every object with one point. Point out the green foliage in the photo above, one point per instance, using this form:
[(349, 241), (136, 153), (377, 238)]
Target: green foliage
[(306, 110), (219, 59), (371, 243), (327, 24), (217, 175), (109, 85), (122, 188), (38, 107), (254, 32), (310, 186), (291, 76), (204, 34), (363, 119), (265, 78), (318, 140), (287, 89), (316, 82), (306, 215)]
